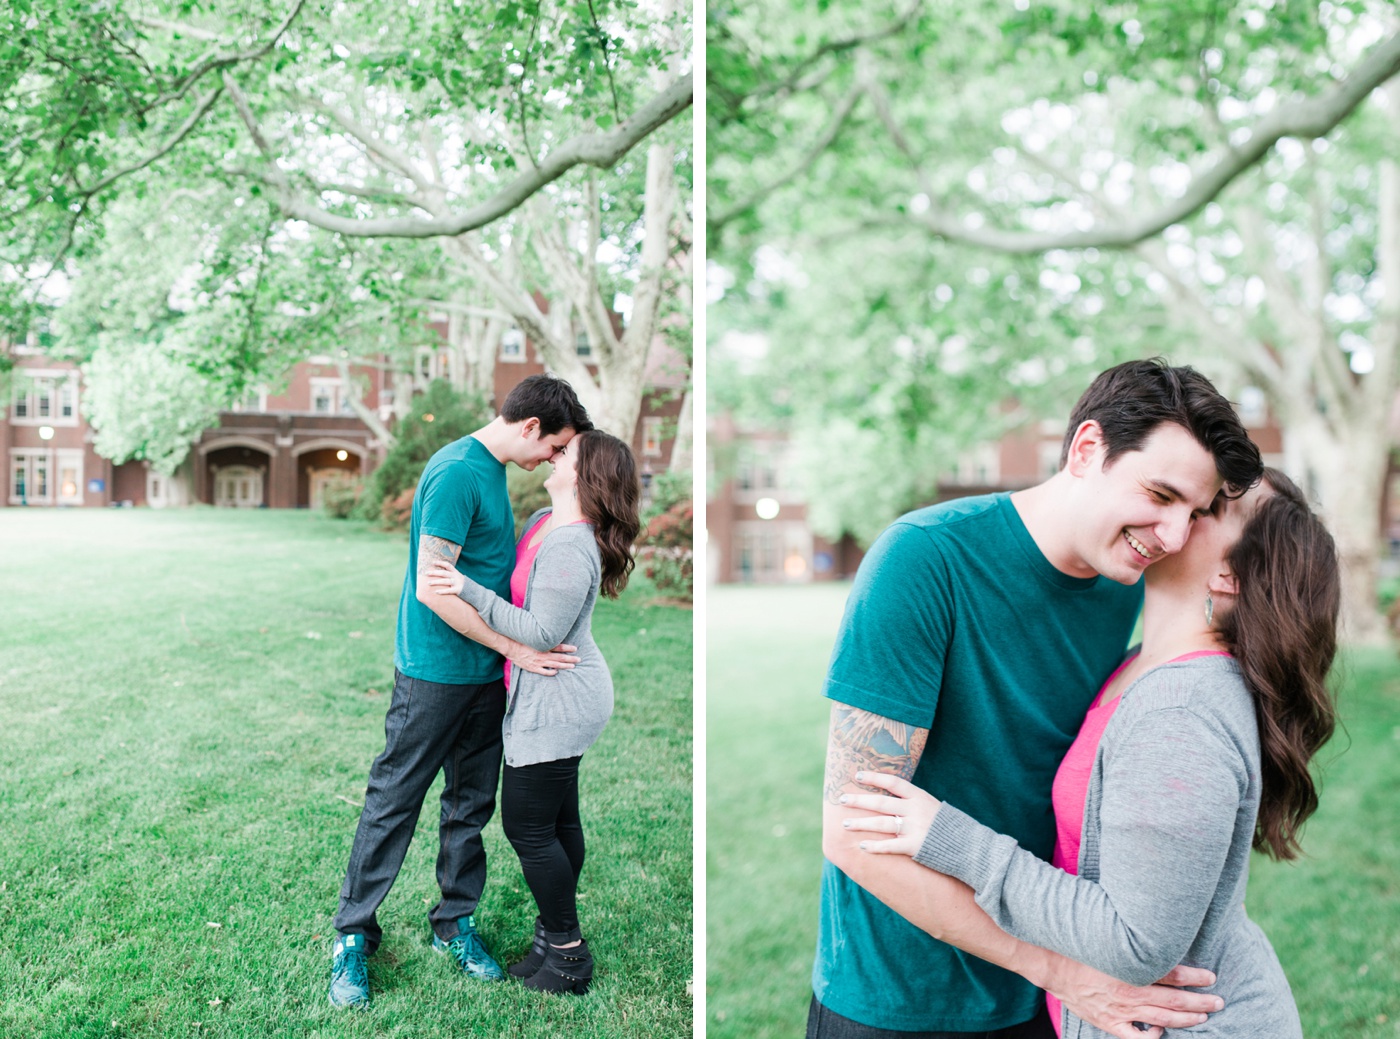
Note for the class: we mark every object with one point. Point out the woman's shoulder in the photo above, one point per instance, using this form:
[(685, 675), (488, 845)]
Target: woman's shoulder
[(534, 520), (573, 538), (1208, 686)]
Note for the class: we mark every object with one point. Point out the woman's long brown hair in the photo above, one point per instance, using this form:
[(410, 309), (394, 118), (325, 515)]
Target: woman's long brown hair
[(608, 495), (1282, 630)]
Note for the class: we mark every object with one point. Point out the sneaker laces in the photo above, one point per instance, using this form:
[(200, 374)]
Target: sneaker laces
[(353, 965), (467, 948)]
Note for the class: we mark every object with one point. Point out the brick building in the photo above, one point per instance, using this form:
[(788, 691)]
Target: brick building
[(756, 519), (275, 450)]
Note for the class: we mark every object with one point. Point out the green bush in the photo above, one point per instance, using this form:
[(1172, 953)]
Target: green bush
[(527, 492), (341, 495), (668, 489), (667, 553), (439, 416)]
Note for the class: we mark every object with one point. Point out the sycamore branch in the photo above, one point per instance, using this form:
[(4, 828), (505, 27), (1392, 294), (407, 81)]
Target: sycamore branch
[(819, 146), (184, 130), (839, 46), (211, 62), (1305, 119), (603, 150)]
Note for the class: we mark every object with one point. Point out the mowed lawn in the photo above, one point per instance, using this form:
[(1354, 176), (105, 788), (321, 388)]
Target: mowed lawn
[(189, 704), (1333, 917)]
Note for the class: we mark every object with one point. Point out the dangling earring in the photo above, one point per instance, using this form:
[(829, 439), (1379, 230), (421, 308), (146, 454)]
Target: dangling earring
[(1210, 609)]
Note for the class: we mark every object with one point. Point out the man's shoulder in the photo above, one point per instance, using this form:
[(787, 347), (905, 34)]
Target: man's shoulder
[(464, 458), (945, 523), (945, 516)]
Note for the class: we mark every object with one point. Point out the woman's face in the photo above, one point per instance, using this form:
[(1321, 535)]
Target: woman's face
[(563, 476), (1212, 537)]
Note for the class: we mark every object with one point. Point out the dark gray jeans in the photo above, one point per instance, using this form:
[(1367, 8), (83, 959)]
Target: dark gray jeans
[(430, 727), (827, 1024)]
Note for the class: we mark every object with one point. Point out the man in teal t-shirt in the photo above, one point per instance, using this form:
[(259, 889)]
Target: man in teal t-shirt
[(975, 636), (449, 696)]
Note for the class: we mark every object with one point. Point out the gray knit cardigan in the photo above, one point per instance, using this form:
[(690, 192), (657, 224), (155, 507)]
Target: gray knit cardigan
[(1164, 860), (549, 717)]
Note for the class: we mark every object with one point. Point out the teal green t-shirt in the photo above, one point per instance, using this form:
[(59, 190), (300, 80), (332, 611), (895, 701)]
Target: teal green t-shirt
[(461, 498), (959, 624)]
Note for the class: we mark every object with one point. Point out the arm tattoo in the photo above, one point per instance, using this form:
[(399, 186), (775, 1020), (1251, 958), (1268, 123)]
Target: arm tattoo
[(431, 549), (860, 740)]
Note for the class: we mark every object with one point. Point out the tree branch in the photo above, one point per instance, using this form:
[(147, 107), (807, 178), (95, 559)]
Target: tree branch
[(601, 150), (791, 83), (206, 103), (820, 145), (1305, 119)]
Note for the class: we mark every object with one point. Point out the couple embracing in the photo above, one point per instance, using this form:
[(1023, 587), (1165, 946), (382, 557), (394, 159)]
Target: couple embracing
[(474, 594), (1011, 856)]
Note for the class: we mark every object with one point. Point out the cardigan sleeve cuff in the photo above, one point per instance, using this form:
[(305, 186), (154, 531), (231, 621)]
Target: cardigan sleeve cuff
[(475, 595), (961, 847)]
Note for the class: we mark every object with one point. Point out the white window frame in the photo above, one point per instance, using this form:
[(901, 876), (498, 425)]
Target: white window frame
[(73, 457), (331, 387), (583, 346), (512, 346), (652, 436), (31, 384), (27, 457)]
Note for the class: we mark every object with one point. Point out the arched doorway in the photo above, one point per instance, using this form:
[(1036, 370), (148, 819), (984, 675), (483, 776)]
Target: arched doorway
[(324, 463), (238, 476)]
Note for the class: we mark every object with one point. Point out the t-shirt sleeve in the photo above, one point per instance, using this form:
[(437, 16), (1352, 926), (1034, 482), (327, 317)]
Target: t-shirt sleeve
[(449, 499), (890, 651)]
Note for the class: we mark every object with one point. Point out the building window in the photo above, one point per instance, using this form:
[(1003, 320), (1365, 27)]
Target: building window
[(582, 345), (651, 437), (1253, 407), (427, 365), (513, 345), (69, 486), (46, 397), (327, 397), (29, 478)]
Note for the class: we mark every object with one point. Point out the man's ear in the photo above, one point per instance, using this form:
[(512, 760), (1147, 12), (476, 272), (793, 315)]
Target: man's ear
[(530, 430), (1085, 447), (1223, 584)]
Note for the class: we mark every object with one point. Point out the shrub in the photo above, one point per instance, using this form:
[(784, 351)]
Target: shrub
[(527, 492), (667, 552), (340, 496), (439, 416), (668, 489)]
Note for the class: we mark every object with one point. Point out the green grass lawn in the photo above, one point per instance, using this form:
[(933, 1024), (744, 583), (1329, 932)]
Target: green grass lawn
[(1333, 917), (189, 705)]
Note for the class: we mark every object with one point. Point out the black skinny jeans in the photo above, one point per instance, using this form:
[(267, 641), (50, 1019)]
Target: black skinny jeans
[(539, 812)]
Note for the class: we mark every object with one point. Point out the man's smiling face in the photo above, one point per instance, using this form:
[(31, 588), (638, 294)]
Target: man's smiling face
[(1141, 507)]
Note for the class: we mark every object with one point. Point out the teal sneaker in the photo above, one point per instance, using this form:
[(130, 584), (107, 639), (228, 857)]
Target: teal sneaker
[(349, 973), (470, 952)]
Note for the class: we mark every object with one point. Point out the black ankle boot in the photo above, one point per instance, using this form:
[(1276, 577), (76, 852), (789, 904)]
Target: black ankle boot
[(531, 963), (563, 970)]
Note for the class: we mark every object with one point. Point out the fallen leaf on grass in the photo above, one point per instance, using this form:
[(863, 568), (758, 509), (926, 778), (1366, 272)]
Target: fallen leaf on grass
[(357, 634), (211, 923), (342, 797), (313, 634), (216, 1002)]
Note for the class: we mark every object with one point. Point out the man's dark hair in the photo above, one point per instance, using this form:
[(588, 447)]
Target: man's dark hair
[(1131, 400), (549, 399)]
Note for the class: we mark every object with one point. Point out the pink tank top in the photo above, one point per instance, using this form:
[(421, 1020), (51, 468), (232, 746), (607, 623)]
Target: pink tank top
[(520, 577), (1071, 787)]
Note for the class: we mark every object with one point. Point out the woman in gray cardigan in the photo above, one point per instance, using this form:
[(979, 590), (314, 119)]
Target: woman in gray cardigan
[(566, 556), (1205, 754)]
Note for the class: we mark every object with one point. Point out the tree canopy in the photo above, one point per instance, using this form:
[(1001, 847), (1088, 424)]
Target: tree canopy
[(987, 203)]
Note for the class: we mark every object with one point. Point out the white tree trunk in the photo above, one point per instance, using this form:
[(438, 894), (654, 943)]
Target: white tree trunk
[(614, 396)]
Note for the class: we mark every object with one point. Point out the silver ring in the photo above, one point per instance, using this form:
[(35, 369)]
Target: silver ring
[(899, 826)]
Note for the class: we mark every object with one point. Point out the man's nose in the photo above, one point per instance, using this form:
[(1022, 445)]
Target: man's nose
[(1173, 531)]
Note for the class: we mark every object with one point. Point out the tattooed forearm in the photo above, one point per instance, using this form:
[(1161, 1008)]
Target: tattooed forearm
[(860, 740), (431, 549)]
